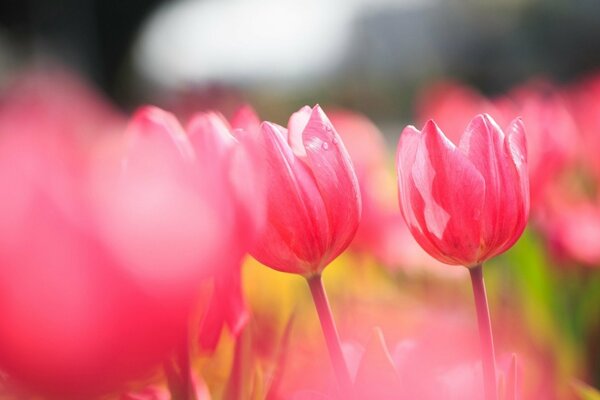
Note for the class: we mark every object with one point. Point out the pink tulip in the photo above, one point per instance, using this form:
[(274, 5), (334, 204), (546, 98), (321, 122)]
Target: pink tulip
[(313, 210), (313, 198), (464, 204)]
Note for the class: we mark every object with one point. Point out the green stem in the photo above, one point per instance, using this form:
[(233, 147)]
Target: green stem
[(330, 332), (488, 358)]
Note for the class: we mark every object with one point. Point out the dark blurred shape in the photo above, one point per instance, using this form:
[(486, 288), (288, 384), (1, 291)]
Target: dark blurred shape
[(92, 36)]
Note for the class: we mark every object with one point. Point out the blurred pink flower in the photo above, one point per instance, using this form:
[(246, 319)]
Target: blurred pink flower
[(57, 102), (572, 229), (236, 152), (313, 198), (552, 136), (75, 322), (584, 102), (469, 203), (102, 252)]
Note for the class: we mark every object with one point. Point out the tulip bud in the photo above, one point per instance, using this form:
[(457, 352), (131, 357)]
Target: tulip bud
[(313, 198)]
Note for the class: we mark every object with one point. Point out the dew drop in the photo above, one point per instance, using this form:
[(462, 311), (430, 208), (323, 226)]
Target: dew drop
[(334, 140), (325, 146)]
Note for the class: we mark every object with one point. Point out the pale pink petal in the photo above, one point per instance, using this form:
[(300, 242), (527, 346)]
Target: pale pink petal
[(296, 126), (453, 193), (296, 233), (409, 197), (515, 150), (337, 183), (210, 133), (483, 143)]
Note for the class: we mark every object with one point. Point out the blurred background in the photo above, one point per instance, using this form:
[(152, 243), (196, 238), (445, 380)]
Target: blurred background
[(368, 55), (384, 59)]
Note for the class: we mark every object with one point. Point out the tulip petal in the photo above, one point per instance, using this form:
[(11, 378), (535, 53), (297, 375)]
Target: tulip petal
[(158, 130), (245, 118), (453, 193), (210, 134), (515, 148), (487, 147), (482, 143), (337, 183), (296, 125), (295, 213), (409, 197)]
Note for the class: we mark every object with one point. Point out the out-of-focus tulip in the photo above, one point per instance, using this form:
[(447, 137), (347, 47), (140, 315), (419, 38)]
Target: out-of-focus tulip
[(75, 323), (584, 101), (101, 258), (245, 118), (572, 229), (464, 204), (552, 136), (155, 212), (41, 102), (236, 152), (313, 198)]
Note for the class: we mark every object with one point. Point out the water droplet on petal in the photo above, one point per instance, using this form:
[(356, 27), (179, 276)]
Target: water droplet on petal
[(334, 140), (325, 146)]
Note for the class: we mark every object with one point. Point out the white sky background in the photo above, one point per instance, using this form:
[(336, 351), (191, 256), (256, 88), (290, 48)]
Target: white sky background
[(249, 42)]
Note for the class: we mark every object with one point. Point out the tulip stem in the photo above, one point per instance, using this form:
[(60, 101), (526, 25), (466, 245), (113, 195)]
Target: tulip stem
[(330, 332), (488, 358)]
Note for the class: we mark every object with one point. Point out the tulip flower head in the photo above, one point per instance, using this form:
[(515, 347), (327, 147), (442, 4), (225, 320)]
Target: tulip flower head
[(313, 198), (468, 203)]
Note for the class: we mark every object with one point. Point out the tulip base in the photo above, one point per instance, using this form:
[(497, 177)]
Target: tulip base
[(330, 332), (488, 357)]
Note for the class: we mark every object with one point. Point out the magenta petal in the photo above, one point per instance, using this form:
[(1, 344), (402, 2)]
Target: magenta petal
[(453, 192), (295, 237), (337, 183)]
